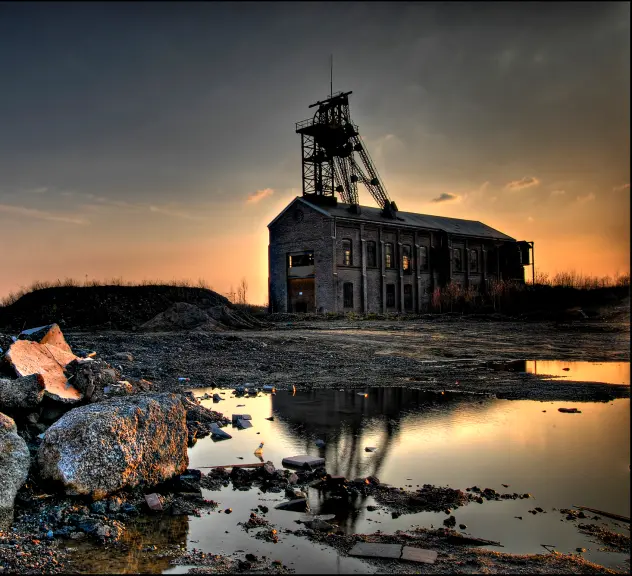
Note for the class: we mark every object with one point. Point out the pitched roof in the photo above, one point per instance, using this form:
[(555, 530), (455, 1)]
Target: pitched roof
[(427, 221)]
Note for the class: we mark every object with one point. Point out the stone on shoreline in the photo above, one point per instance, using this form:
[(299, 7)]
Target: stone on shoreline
[(101, 448), (14, 463)]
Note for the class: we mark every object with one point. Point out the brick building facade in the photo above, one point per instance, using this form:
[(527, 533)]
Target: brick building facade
[(330, 258)]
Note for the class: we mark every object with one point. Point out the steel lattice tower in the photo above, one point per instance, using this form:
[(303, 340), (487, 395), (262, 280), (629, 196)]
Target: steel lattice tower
[(329, 144)]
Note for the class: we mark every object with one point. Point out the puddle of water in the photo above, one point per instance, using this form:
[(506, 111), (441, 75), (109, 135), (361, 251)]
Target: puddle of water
[(571, 370), (421, 438), (605, 372)]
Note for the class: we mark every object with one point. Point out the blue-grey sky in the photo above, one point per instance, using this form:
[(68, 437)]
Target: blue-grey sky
[(150, 140)]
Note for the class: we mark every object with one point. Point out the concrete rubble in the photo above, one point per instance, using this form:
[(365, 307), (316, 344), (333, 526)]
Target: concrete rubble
[(44, 351)]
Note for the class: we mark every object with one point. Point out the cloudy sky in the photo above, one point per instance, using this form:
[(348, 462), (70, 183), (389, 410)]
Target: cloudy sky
[(156, 140)]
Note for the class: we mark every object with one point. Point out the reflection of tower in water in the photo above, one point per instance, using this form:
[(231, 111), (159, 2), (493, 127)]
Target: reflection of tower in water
[(348, 422)]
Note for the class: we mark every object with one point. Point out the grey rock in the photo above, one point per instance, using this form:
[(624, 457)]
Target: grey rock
[(101, 448), (25, 392), (297, 505), (14, 462)]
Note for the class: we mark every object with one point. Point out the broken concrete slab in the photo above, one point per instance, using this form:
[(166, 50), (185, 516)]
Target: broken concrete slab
[(27, 358), (419, 555), (153, 501), (243, 424), (376, 550), (241, 417), (50, 334), (218, 433), (294, 505), (302, 460), (25, 392)]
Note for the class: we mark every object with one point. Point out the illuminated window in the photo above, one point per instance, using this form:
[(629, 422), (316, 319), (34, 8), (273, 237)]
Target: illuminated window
[(388, 255), (371, 255), (347, 292), (346, 253), (407, 263), (423, 257), (473, 260), (457, 260)]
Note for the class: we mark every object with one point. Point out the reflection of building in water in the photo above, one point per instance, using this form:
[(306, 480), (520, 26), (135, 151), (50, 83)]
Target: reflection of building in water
[(348, 422), (343, 419)]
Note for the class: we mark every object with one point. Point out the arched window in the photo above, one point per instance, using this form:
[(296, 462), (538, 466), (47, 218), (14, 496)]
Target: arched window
[(347, 257)]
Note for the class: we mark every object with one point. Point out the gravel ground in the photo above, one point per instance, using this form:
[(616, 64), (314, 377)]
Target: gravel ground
[(466, 355), (460, 559)]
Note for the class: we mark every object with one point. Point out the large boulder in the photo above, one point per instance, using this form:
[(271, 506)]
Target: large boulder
[(26, 392), (14, 463), (101, 448)]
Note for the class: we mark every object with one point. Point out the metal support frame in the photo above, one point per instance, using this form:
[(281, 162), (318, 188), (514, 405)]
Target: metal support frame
[(329, 144)]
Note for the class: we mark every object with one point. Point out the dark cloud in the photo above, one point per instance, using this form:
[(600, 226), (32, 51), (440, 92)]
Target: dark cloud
[(445, 197)]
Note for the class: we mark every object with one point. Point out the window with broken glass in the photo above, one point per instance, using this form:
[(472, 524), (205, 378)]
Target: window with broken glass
[(347, 292), (407, 264), (388, 255), (423, 258), (371, 254), (346, 253), (473, 260), (457, 260)]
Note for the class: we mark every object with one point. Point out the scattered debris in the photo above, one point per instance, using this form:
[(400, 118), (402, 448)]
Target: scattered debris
[(154, 502), (295, 505), (302, 461), (569, 410), (370, 449), (607, 514)]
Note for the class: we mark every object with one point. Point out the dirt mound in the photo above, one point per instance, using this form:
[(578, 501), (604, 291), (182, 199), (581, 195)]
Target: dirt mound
[(183, 316), (118, 308)]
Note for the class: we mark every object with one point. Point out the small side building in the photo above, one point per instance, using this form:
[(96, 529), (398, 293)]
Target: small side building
[(326, 257)]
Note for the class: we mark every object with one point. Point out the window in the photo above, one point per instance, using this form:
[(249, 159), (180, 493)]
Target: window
[(388, 255), (306, 259), (371, 254), (346, 253), (407, 263), (473, 260), (390, 295), (347, 293), (457, 260), (423, 255), (408, 297)]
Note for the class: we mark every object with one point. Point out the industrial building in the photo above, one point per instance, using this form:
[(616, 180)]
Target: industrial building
[(331, 256)]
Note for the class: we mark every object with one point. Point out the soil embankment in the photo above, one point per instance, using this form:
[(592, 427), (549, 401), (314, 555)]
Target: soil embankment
[(124, 308)]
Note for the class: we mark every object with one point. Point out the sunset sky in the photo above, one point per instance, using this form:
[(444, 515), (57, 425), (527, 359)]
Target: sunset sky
[(156, 140)]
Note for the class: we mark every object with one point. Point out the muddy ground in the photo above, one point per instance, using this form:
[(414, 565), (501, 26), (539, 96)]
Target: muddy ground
[(457, 354)]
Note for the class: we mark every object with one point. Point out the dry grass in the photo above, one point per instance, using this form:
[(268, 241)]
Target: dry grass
[(573, 279), (13, 297)]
